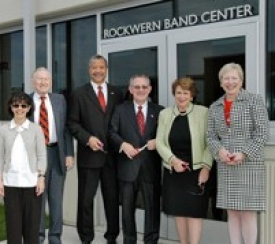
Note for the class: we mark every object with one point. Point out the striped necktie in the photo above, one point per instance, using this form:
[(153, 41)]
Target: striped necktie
[(43, 119)]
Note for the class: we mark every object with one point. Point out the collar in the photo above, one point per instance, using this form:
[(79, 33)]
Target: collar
[(144, 105), (188, 110), (37, 96), (242, 96), (95, 85), (24, 126)]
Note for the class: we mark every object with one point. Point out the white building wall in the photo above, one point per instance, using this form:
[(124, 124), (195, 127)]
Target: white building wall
[(11, 11)]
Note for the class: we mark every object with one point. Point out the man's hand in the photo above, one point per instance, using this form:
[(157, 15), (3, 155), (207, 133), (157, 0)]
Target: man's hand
[(129, 150)]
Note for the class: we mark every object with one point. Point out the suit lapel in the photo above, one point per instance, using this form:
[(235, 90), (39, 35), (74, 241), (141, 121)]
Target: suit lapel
[(131, 115), (150, 119)]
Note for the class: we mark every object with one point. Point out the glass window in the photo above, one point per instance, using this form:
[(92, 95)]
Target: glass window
[(270, 64), (83, 47), (74, 42), (41, 46), (60, 61), (202, 61), (11, 68)]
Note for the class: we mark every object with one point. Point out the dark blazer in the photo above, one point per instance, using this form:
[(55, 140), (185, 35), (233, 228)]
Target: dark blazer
[(64, 138), (86, 118), (124, 128)]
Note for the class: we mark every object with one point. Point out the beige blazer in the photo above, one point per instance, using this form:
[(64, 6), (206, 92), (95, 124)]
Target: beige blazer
[(197, 118)]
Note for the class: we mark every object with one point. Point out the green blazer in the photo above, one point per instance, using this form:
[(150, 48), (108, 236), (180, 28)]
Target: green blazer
[(197, 118)]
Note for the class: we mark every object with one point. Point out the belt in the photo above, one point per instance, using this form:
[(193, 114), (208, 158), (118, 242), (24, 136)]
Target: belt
[(54, 144)]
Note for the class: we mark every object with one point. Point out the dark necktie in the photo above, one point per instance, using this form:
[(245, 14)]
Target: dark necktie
[(43, 119), (101, 98), (140, 120)]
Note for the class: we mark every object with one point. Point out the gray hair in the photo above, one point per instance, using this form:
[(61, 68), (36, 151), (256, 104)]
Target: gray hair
[(231, 66), (39, 69), (131, 81)]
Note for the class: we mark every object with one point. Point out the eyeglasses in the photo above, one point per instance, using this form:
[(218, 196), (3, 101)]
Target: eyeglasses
[(20, 105), (196, 190), (137, 87)]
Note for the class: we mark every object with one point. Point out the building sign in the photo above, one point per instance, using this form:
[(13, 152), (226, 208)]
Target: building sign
[(216, 15)]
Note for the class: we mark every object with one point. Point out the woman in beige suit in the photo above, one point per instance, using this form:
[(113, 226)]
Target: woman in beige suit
[(237, 132), (182, 145)]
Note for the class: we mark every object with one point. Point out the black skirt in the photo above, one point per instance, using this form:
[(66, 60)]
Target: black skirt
[(182, 196)]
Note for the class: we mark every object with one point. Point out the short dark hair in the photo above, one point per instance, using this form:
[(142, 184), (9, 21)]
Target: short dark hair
[(186, 83), (20, 97), (98, 57)]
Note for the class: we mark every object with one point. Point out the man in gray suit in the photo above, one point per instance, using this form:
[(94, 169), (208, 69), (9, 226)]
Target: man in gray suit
[(59, 151)]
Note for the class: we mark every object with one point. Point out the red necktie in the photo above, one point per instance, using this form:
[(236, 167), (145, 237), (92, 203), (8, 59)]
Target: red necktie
[(43, 119), (101, 98), (140, 120)]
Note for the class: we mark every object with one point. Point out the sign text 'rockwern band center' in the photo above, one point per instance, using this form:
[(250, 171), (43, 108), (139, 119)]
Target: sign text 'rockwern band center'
[(234, 12)]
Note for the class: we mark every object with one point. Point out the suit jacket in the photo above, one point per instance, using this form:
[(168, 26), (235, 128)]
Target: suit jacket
[(248, 131), (197, 118), (86, 118), (124, 128), (64, 138)]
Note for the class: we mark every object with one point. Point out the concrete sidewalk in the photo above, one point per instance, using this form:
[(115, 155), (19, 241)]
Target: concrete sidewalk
[(70, 237)]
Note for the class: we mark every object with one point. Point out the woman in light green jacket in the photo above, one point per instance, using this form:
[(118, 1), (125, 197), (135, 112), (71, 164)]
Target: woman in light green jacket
[(181, 143)]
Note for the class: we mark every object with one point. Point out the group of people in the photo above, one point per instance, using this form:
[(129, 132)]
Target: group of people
[(123, 146)]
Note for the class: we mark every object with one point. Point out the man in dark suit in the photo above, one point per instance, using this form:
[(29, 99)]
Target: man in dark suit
[(133, 132), (60, 151), (90, 111)]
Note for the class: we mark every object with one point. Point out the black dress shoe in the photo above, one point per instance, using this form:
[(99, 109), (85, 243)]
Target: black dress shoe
[(111, 242)]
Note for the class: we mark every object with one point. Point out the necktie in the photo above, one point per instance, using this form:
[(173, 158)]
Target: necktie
[(140, 120), (43, 119), (100, 97)]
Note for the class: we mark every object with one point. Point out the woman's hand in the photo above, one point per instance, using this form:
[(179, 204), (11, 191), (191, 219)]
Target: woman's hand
[(236, 158), (179, 165), (224, 155), (203, 176), (40, 187)]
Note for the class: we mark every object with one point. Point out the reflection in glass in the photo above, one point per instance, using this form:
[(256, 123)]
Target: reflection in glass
[(59, 57), (11, 68), (83, 47), (123, 65), (203, 60), (270, 63), (41, 46), (74, 43)]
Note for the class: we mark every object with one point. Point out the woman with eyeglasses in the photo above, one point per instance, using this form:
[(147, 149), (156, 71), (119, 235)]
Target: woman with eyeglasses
[(22, 170), (187, 161), (237, 132)]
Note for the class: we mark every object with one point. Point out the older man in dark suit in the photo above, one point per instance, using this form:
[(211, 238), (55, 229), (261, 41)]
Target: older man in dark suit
[(89, 116), (133, 132), (50, 113)]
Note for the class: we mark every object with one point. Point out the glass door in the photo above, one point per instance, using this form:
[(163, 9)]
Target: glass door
[(198, 52)]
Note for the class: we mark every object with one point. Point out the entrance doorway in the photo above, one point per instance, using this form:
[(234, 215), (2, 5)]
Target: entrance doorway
[(198, 52)]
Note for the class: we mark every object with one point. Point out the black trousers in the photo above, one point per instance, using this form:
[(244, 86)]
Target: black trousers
[(88, 181), (151, 199), (22, 210)]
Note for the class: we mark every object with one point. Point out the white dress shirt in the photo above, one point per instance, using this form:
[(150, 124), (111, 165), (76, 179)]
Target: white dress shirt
[(104, 90)]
